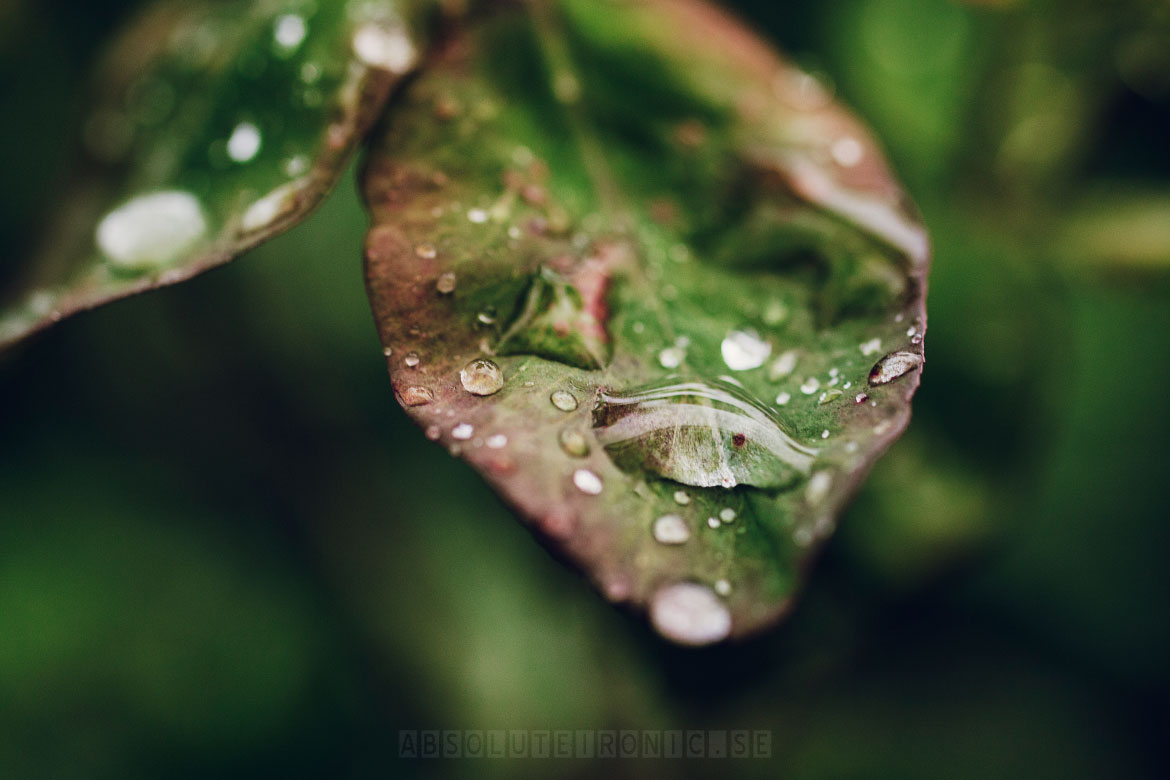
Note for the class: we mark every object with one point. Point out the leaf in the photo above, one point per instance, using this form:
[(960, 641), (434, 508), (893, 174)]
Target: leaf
[(216, 126), (655, 287)]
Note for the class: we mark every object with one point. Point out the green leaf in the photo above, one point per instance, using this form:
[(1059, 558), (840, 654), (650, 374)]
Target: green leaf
[(655, 287), (215, 126)]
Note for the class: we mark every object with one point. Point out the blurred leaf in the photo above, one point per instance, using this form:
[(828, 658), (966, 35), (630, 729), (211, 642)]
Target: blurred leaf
[(1114, 231), (216, 126), (586, 216)]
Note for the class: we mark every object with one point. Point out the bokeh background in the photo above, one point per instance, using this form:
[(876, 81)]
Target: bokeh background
[(224, 551)]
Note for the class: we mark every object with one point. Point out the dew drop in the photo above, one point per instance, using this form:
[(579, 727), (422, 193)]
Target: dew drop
[(810, 386), (744, 350), (783, 365), (266, 210), (727, 515), (482, 377), (712, 522), (288, 31), (825, 434), (487, 316), (563, 400), (723, 587), (892, 366), (433, 432), (690, 614), (687, 432), (830, 395), (151, 230), (244, 142), (463, 431), (671, 357), (871, 347), (478, 216), (671, 529), (384, 46), (783, 398), (860, 398), (411, 360), (587, 482), (445, 284), (417, 396), (387, 351), (681, 498)]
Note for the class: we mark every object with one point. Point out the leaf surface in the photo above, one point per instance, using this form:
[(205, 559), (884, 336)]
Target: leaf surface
[(655, 286), (214, 127)]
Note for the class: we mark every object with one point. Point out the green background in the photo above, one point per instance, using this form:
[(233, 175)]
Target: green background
[(224, 552)]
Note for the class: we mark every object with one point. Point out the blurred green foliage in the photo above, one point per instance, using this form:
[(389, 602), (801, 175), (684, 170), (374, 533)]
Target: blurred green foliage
[(224, 551)]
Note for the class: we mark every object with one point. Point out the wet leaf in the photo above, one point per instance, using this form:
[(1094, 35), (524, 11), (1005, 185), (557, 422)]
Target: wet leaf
[(694, 274), (215, 126)]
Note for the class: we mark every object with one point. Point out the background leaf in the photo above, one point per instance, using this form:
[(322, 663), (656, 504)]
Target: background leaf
[(656, 287), (215, 126)]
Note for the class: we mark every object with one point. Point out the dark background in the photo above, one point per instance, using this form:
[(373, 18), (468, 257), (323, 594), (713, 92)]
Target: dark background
[(224, 551)]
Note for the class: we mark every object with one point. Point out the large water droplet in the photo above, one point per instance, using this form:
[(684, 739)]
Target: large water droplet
[(481, 377), (671, 529), (151, 230), (704, 434), (563, 400), (690, 614), (894, 365), (744, 349)]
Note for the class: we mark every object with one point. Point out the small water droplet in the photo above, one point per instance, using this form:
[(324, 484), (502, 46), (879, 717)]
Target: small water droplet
[(587, 482), (671, 357), (860, 398), (281, 202), (417, 396), (482, 377), (687, 432), (744, 350), (387, 351), (681, 498), (671, 529), (783, 398), (244, 142), (487, 316), (723, 587), (573, 442), (783, 365), (829, 396), (433, 432), (847, 151), (463, 431), (411, 360), (385, 46), (871, 347), (727, 515), (892, 366), (713, 522), (425, 251), (690, 614), (497, 441), (151, 230), (445, 284), (825, 434), (478, 216), (810, 385), (563, 400)]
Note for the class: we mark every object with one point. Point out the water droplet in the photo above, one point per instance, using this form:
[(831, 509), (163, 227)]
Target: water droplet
[(425, 251), (463, 431), (487, 316), (681, 498), (563, 400), (860, 398), (810, 385), (478, 216), (892, 366), (411, 360), (847, 151), (288, 31), (417, 396), (671, 357), (712, 522), (151, 230), (727, 515), (783, 365), (587, 482), (723, 587), (744, 350), (671, 529), (387, 351), (573, 443), (433, 432), (482, 377), (871, 347), (690, 614), (782, 399), (818, 487), (829, 396), (244, 142), (266, 210), (825, 434), (385, 46), (699, 433), (497, 441)]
